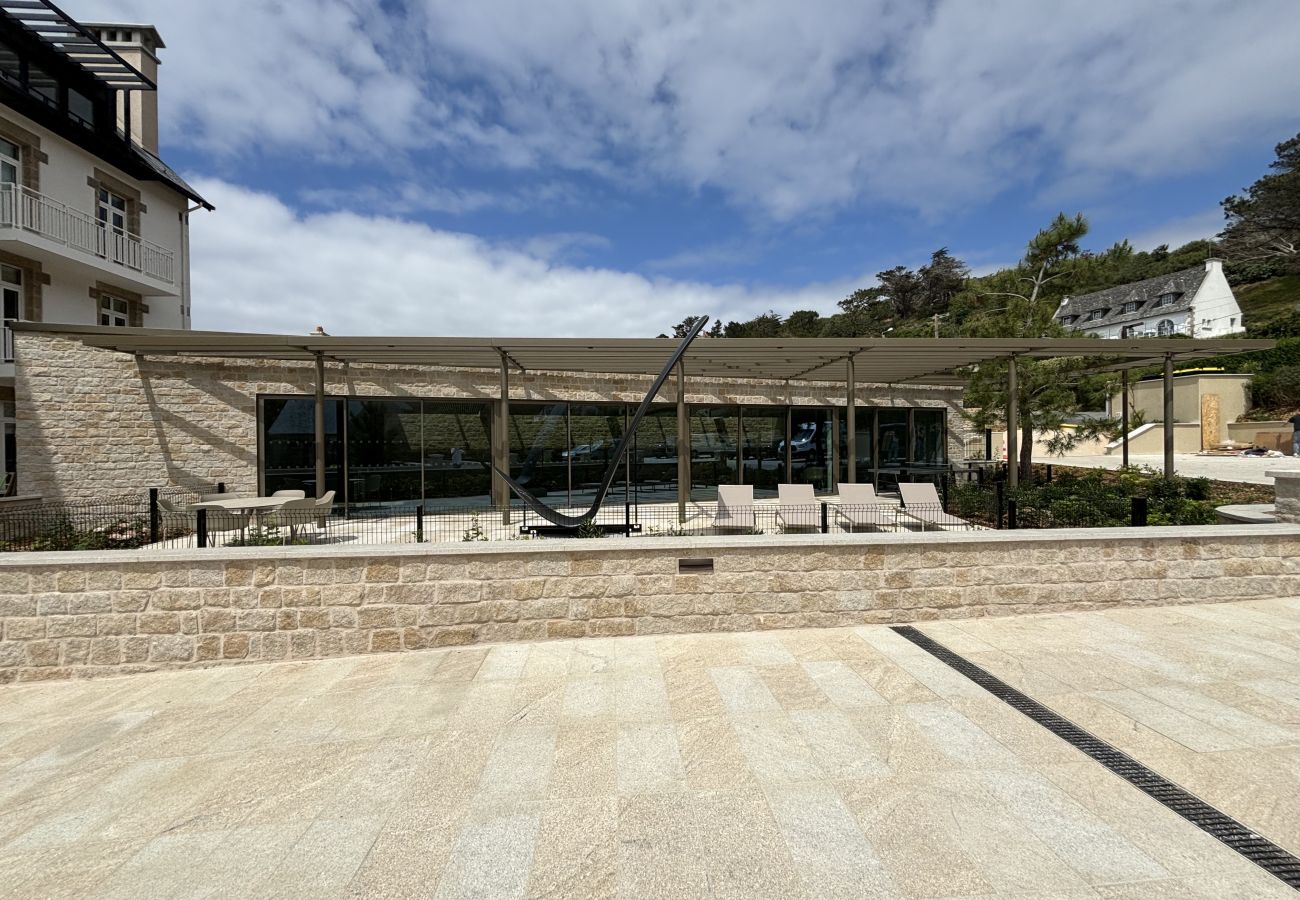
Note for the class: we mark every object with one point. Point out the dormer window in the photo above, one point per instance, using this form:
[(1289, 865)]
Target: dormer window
[(1132, 306), (1096, 314), (1166, 300), (1069, 320)]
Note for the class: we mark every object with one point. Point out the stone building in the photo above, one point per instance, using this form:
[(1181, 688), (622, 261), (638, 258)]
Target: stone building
[(94, 226)]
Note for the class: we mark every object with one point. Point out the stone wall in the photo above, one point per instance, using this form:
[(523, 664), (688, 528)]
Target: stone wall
[(92, 422), (79, 614)]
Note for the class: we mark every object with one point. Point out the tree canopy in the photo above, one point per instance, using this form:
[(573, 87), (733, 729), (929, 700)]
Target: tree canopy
[(1264, 221)]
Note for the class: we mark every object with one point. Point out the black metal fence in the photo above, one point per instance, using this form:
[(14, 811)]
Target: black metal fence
[(166, 518)]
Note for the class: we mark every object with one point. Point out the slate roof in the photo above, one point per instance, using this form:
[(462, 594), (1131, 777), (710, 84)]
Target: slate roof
[(1185, 283)]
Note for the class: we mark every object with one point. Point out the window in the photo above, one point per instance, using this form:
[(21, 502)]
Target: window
[(114, 311), (1129, 331), (1165, 328), (43, 86), (112, 211), (11, 292), (1166, 300), (10, 162), (80, 108), (1132, 306), (1232, 323), (1069, 320), (11, 67), (1096, 314)]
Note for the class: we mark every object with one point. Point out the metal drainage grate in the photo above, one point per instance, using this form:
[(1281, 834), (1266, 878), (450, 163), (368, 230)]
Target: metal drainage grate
[(1256, 848)]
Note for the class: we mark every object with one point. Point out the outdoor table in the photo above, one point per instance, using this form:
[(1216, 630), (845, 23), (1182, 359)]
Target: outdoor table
[(253, 506)]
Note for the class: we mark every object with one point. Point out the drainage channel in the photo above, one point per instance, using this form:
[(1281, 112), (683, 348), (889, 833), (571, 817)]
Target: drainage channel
[(1214, 822)]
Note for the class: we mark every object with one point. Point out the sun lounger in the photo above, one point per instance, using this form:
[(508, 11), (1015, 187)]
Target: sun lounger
[(922, 503), (861, 507), (797, 507), (735, 506)]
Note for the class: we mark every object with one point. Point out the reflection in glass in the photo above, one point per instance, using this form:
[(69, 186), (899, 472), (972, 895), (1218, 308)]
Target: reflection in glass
[(594, 432), (810, 447), (654, 454), (715, 432), (289, 445), (539, 440), (763, 428), (865, 425), (457, 453), (928, 437), (384, 451)]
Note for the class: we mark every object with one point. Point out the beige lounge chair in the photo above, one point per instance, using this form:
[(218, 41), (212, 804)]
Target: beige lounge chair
[(861, 507), (797, 507), (324, 509), (292, 514), (290, 494), (173, 519), (922, 503), (223, 520), (735, 506)]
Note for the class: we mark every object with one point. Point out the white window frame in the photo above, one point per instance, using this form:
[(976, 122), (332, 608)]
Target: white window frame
[(114, 311), (1166, 328), (16, 161)]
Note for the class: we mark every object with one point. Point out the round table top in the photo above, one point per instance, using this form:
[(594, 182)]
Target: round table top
[(242, 503)]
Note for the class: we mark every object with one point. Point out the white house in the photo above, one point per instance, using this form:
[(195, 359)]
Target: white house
[(1196, 302), (94, 227)]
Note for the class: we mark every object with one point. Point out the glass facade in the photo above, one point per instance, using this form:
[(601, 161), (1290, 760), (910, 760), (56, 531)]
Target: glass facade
[(399, 450)]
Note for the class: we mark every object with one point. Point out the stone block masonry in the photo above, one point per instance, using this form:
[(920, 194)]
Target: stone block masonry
[(65, 615)]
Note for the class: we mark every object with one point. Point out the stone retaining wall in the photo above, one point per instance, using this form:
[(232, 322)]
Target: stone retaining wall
[(78, 614)]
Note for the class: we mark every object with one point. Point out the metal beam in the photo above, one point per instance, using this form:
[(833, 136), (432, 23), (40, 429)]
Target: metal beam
[(1013, 425), (1123, 416), (319, 418), (851, 423), (1169, 415), (501, 442), (683, 446)]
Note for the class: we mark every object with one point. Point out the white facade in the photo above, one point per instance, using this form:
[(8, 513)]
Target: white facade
[(1211, 312), (94, 227)]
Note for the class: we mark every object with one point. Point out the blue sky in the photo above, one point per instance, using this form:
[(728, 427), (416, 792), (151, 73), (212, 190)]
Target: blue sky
[(606, 168)]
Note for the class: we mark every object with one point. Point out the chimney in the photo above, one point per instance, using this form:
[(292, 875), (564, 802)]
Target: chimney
[(139, 46), (1213, 265)]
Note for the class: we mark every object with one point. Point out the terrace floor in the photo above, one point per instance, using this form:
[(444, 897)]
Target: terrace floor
[(807, 763)]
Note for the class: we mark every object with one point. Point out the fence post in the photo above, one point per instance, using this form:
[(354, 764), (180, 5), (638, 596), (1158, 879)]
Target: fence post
[(221, 487), (201, 525), (826, 518), (998, 498), (153, 515), (627, 517), (1138, 512), (1049, 473), (419, 524), (1011, 513)]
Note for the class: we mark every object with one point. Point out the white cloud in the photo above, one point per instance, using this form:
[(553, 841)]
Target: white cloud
[(260, 266), (788, 109), (1177, 232)]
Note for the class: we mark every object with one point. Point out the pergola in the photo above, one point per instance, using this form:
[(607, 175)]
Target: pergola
[(848, 361)]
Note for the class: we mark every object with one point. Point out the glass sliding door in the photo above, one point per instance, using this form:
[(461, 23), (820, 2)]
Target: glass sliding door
[(539, 440), (763, 452), (929, 437), (594, 431), (715, 433), (457, 453), (810, 446), (289, 445), (384, 452), (654, 455), (866, 427)]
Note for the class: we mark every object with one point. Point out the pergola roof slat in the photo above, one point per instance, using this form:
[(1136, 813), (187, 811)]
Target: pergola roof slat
[(937, 361)]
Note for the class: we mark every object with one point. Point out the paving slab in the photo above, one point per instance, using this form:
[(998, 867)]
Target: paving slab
[(797, 764)]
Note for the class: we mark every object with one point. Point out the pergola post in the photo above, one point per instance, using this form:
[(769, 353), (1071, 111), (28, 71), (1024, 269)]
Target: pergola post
[(683, 447), (319, 421), (1169, 415), (501, 448), (1013, 425), (851, 423), (1123, 416)]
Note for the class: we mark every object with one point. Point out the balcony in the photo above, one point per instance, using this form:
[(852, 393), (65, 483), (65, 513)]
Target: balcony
[(45, 227)]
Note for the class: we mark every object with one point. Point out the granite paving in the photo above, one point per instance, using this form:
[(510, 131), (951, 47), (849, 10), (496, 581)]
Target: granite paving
[(787, 764)]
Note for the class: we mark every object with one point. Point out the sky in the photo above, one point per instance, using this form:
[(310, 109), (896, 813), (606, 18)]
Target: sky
[(608, 167)]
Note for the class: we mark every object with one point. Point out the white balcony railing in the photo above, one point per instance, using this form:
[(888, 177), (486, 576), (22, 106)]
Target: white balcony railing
[(21, 207)]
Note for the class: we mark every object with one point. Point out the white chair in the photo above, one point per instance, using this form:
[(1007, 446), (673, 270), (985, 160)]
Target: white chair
[(292, 514), (797, 507), (735, 506), (861, 507), (324, 509), (290, 494), (223, 520), (922, 502)]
